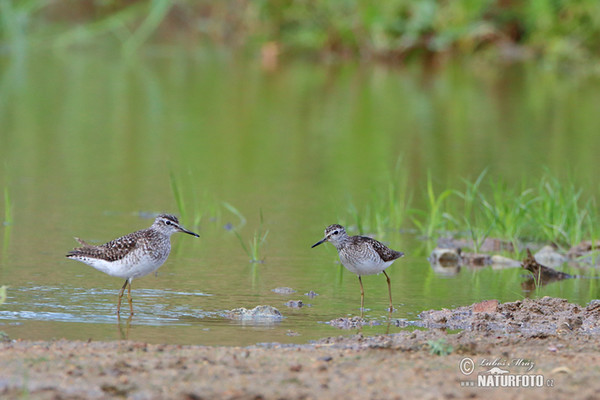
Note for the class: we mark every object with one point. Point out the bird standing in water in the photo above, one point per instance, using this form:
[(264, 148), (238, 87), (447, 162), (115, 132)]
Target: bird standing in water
[(361, 255), (132, 256)]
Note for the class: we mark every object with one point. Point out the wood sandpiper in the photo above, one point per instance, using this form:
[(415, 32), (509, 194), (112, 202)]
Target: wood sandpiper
[(361, 255), (134, 255)]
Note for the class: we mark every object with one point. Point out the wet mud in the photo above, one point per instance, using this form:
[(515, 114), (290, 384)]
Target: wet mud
[(551, 338)]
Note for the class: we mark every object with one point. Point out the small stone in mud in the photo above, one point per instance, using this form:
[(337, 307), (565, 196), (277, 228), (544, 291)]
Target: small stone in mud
[(486, 306), (283, 290), (257, 313), (295, 304), (292, 333), (311, 294), (352, 323)]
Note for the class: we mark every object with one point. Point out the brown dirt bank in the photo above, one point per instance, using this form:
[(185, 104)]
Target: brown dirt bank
[(397, 366)]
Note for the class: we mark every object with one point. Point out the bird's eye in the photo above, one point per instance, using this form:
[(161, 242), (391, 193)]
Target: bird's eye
[(335, 232), (168, 223)]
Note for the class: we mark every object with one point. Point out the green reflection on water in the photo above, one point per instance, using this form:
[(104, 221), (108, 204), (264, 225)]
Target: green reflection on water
[(89, 144)]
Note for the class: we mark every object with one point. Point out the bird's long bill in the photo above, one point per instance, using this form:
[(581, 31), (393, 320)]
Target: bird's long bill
[(319, 242), (188, 232)]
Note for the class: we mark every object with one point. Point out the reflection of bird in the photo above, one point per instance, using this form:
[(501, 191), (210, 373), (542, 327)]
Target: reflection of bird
[(361, 255), (134, 255)]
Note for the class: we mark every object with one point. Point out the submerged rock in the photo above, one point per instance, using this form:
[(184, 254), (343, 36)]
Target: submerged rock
[(311, 294), (283, 290), (295, 304), (445, 270), (453, 257), (257, 313), (476, 259), (446, 257)]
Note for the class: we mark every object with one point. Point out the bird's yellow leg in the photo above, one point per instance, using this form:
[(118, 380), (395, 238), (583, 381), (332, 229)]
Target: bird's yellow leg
[(121, 296), (389, 290), (129, 298), (362, 297)]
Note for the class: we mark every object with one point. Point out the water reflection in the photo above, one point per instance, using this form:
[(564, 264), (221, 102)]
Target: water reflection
[(87, 137), (124, 327)]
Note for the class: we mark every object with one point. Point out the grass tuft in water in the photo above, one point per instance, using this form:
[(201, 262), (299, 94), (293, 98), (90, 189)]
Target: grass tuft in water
[(434, 219), (550, 210), (387, 210), (8, 217), (558, 214), (179, 200), (237, 213), (190, 204), (391, 206), (254, 245)]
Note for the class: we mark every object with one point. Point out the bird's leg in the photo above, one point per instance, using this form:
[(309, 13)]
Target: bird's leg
[(121, 296), (362, 297), (129, 298), (389, 290)]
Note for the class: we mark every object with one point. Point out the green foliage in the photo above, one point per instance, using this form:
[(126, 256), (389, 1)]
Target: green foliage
[(391, 205), (550, 210), (189, 204), (179, 200), (362, 28), (388, 208), (8, 218), (560, 216), (253, 249), (434, 219), (439, 347)]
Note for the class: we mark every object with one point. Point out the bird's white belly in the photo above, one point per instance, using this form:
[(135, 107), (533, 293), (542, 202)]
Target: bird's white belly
[(126, 267), (365, 266)]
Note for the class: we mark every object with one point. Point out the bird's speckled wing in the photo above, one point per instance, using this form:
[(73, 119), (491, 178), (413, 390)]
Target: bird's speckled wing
[(384, 252), (111, 251)]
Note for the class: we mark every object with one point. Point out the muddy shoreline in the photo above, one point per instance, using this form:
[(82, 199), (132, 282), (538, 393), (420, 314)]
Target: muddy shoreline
[(547, 337)]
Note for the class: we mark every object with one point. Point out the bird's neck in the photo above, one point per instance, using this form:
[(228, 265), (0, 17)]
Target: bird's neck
[(342, 242)]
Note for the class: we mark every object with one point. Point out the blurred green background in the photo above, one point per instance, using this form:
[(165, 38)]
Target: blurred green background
[(379, 116)]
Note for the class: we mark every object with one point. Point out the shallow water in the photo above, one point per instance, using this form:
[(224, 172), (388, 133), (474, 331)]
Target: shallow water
[(90, 142)]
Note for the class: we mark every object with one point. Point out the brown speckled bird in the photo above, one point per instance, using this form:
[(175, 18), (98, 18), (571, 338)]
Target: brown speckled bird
[(361, 255), (132, 256)]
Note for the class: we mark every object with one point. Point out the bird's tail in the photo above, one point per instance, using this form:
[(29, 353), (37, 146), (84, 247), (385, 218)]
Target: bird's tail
[(82, 242), (79, 251)]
